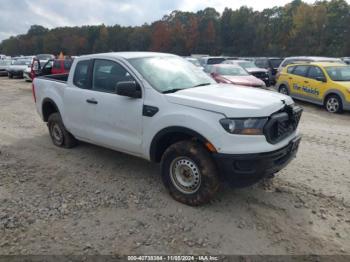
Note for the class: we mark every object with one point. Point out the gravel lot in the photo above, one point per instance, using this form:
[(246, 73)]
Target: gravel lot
[(91, 200)]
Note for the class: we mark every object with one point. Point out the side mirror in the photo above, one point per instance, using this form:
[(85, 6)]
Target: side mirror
[(321, 79), (129, 89)]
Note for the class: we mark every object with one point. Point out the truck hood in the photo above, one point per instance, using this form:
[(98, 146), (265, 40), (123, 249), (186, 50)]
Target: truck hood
[(231, 100)]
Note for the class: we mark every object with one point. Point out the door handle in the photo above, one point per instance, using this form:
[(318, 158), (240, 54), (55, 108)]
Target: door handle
[(306, 82), (92, 101), (291, 78)]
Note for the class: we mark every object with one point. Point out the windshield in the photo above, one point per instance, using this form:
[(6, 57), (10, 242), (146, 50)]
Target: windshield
[(21, 62), (247, 64), (339, 73), (231, 71), (275, 63), (167, 73)]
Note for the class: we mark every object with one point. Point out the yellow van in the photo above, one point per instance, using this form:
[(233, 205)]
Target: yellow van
[(321, 83)]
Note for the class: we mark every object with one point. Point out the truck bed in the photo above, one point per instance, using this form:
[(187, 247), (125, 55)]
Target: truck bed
[(60, 77)]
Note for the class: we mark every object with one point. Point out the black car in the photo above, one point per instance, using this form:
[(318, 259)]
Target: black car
[(271, 64)]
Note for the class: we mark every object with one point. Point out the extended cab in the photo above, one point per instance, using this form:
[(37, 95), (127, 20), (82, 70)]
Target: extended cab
[(162, 108)]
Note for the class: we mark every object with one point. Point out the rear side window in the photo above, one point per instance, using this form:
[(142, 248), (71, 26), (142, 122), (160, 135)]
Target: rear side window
[(315, 72), (57, 64), (290, 69), (67, 64), (81, 74), (300, 70), (107, 74)]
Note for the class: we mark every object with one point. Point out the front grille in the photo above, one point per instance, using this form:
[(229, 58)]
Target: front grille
[(260, 75), (283, 123)]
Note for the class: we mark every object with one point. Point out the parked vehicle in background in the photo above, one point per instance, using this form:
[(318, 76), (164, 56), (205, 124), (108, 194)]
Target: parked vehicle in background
[(4, 64), (252, 69), (43, 58), (271, 64), (161, 108), (210, 60), (51, 67), (27, 74), (194, 61), (304, 59), (322, 83), (346, 60), (234, 74), (17, 67)]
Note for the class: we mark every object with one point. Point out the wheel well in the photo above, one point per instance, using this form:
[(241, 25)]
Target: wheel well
[(169, 136), (332, 94), (49, 107), (281, 85)]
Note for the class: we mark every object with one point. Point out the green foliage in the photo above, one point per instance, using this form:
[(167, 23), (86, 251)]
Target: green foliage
[(297, 28)]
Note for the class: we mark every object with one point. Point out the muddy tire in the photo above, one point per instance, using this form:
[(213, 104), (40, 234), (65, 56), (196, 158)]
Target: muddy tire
[(189, 173), (59, 135), (283, 90), (333, 104)]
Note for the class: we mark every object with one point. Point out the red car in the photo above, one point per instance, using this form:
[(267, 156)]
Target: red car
[(234, 74)]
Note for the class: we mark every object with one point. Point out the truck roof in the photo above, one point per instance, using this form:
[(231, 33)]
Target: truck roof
[(127, 55)]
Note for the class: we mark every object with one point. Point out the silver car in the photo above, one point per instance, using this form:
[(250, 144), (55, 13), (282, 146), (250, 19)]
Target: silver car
[(4, 64), (17, 67)]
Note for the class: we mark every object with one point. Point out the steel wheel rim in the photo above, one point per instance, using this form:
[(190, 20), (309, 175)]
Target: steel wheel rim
[(283, 91), (332, 105), (57, 134), (185, 175)]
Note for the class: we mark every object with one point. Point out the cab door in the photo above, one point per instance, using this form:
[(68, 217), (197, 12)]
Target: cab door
[(297, 79)]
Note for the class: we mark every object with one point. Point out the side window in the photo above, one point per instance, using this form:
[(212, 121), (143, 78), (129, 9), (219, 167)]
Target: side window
[(315, 72), (81, 74), (290, 69), (57, 64), (107, 74), (300, 70), (67, 64)]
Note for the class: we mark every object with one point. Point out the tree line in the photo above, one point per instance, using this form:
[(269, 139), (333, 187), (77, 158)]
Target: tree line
[(298, 28)]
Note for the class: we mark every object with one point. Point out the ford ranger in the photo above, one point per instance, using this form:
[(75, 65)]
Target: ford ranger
[(162, 108)]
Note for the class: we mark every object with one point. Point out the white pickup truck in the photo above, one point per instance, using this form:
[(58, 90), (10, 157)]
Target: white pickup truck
[(162, 108)]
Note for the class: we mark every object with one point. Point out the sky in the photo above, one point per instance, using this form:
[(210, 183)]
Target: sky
[(16, 16)]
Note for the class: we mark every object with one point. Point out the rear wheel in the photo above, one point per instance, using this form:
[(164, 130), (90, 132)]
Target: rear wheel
[(10, 75), (283, 90), (333, 104), (59, 135), (189, 173)]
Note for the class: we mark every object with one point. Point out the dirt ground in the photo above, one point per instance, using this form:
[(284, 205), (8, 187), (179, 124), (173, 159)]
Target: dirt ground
[(91, 200)]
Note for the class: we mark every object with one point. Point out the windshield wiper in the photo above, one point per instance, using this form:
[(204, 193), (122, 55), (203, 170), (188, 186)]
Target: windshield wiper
[(172, 90), (204, 84)]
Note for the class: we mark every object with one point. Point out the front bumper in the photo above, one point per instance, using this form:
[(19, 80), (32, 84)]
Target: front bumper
[(16, 73), (247, 169)]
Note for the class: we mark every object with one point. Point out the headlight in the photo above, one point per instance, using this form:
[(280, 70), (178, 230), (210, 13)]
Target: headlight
[(244, 126)]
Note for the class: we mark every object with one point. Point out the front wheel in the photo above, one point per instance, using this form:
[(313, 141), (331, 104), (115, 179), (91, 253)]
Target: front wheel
[(283, 90), (333, 104), (189, 173)]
